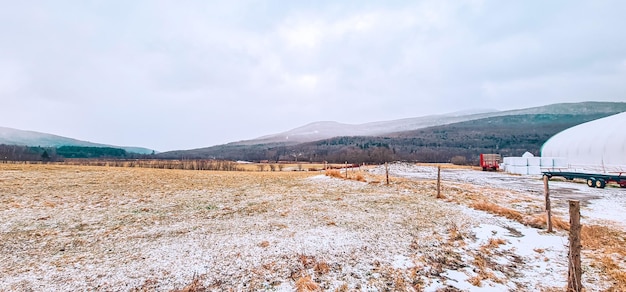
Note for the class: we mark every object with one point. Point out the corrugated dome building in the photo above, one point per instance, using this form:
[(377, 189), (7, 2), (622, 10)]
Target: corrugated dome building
[(597, 146)]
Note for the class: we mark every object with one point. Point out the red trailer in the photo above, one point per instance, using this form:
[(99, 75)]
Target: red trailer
[(490, 161)]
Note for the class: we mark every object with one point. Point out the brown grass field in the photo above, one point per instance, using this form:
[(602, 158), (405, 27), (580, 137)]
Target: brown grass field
[(138, 229)]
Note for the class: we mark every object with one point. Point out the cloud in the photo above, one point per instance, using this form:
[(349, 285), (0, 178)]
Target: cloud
[(169, 75), (12, 78)]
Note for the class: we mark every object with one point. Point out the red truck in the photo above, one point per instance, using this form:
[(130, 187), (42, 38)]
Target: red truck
[(490, 161)]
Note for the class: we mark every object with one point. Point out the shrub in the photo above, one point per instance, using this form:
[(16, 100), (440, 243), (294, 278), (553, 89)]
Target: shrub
[(498, 210), (334, 173), (458, 160), (305, 284)]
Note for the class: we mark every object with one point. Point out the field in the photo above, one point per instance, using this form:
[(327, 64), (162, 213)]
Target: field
[(137, 229)]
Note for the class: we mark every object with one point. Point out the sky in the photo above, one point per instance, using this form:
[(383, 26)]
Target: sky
[(172, 75)]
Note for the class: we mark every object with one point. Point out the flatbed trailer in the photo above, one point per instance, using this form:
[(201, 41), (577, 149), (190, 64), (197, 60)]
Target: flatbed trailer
[(594, 180)]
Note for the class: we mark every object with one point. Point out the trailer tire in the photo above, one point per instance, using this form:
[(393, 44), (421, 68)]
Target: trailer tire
[(600, 183), (591, 182)]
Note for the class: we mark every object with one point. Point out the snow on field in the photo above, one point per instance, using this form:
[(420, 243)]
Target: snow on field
[(599, 204), (538, 258), (606, 207), (118, 229)]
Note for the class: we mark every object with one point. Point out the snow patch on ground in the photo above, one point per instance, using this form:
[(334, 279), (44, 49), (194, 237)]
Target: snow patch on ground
[(264, 233)]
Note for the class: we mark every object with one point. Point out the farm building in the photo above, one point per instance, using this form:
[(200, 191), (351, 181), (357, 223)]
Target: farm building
[(597, 146)]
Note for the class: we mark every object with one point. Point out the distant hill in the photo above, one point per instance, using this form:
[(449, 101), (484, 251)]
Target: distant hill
[(328, 129), (9, 136), (507, 132)]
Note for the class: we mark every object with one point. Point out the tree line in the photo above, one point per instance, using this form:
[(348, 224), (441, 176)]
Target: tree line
[(462, 142), (37, 153)]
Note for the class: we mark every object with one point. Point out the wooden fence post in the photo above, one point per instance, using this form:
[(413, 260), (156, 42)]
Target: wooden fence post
[(387, 172), (546, 190), (574, 271), (438, 181), (346, 167)]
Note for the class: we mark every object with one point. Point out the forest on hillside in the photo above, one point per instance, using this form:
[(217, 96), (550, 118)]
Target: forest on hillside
[(50, 154), (460, 143), (463, 142)]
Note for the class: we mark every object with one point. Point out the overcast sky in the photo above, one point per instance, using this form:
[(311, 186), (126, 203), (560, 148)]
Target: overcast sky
[(187, 74)]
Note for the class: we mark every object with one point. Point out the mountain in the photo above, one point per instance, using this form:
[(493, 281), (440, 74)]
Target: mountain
[(428, 139), (327, 129), (10, 136)]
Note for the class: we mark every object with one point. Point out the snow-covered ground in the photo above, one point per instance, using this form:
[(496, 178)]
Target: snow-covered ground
[(599, 204), (537, 258), (117, 229), (543, 255)]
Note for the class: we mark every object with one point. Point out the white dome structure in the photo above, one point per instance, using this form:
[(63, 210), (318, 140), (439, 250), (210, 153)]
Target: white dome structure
[(597, 146)]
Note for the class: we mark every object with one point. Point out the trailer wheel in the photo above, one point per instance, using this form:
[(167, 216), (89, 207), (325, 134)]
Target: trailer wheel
[(600, 183), (591, 182)]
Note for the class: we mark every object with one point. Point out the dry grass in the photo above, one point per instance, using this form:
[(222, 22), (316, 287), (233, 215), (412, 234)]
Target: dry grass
[(307, 261), (602, 240), (286, 166), (343, 288), (495, 242), (194, 286), (483, 266), (145, 228), (614, 271), (541, 221), (321, 268), (606, 245), (455, 234), (596, 237), (107, 219), (359, 177), (498, 210), (305, 284), (536, 221), (334, 173), (475, 281), (602, 245)]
